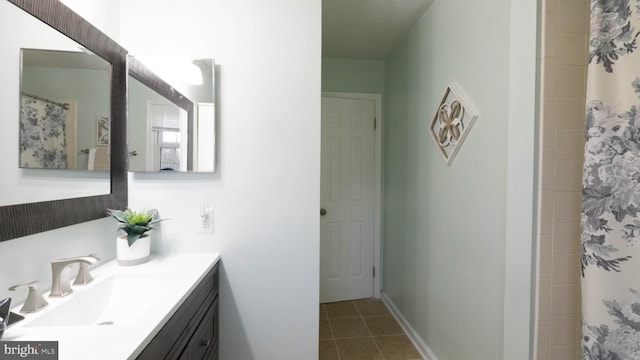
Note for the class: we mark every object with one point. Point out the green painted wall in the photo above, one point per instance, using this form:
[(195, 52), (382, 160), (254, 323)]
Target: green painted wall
[(445, 226), (351, 75)]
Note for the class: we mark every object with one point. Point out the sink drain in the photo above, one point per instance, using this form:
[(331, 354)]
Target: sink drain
[(106, 323)]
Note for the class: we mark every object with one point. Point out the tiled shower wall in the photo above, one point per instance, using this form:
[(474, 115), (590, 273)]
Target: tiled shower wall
[(565, 26)]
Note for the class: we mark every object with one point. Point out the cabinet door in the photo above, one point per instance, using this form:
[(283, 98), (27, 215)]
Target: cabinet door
[(183, 326), (204, 343)]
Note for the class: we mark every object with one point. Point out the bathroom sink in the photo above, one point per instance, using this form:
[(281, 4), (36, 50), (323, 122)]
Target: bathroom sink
[(124, 305), (118, 299)]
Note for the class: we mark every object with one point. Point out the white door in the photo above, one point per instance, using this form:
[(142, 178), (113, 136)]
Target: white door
[(347, 199)]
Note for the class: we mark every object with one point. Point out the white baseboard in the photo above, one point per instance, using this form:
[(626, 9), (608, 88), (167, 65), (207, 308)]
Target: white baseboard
[(417, 341)]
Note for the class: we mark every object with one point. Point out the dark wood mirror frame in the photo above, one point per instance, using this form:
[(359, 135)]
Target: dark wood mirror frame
[(27, 219), (140, 72)]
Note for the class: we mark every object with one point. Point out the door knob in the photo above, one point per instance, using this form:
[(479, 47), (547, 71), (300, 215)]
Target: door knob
[(323, 212)]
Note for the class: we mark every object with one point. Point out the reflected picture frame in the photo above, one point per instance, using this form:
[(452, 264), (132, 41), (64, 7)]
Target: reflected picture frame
[(103, 130)]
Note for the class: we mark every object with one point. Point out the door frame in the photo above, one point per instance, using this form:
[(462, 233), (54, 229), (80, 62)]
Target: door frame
[(377, 201)]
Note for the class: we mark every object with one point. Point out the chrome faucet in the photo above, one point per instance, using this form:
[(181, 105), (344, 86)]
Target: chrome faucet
[(34, 301), (61, 288)]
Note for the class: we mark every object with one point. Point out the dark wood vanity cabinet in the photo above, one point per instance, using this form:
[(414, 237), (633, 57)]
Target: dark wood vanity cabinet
[(192, 332)]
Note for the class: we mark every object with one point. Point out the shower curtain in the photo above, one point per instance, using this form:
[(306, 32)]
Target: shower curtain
[(42, 134), (611, 185)]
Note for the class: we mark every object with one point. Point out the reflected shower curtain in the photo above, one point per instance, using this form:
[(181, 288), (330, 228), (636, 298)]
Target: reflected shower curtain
[(611, 185), (42, 134)]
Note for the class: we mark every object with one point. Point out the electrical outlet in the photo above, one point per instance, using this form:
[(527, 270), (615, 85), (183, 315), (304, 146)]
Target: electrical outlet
[(206, 220)]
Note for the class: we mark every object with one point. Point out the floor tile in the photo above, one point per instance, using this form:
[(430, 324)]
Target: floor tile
[(397, 347), (348, 328), (341, 309), (383, 325), (325, 330), (371, 307), (358, 349), (328, 350), (362, 329)]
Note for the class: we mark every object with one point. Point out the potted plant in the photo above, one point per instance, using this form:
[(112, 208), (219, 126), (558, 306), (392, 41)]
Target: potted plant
[(135, 247)]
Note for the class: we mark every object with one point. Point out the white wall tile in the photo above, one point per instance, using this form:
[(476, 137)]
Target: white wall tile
[(565, 300), (563, 330), (549, 74), (572, 49), (567, 206), (545, 213), (570, 113), (570, 80), (544, 300), (566, 269), (549, 26), (566, 237), (569, 145), (548, 123), (572, 17), (567, 175), (542, 340), (563, 88), (546, 169), (545, 256), (563, 352)]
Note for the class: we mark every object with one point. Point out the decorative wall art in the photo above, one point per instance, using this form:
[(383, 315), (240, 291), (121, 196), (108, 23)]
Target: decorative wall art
[(102, 130), (452, 122)]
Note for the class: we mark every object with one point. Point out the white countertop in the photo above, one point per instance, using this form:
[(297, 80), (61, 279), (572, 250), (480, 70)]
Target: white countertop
[(120, 340)]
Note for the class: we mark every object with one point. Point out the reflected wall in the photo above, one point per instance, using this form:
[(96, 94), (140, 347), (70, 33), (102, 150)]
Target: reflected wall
[(171, 115)]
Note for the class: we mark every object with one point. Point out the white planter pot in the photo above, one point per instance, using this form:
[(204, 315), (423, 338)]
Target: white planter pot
[(135, 254)]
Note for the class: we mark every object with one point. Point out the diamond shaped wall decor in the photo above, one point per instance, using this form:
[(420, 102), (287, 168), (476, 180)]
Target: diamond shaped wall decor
[(452, 122)]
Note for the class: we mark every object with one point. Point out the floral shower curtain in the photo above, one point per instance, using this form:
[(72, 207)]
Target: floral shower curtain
[(42, 134), (611, 185)]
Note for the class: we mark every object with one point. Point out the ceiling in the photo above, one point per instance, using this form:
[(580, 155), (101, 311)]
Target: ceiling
[(367, 29)]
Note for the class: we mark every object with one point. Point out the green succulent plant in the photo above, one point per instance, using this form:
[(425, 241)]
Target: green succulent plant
[(134, 223)]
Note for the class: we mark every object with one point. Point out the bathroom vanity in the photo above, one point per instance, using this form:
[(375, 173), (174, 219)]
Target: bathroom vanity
[(166, 308), (192, 332)]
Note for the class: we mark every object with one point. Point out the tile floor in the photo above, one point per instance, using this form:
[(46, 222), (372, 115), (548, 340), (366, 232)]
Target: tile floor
[(362, 330)]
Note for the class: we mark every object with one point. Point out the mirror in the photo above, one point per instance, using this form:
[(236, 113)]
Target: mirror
[(21, 185), (171, 126), (30, 207), (64, 110)]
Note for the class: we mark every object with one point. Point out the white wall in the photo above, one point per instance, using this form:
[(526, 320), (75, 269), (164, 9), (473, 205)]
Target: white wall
[(458, 239), (353, 75), (265, 194), (103, 14)]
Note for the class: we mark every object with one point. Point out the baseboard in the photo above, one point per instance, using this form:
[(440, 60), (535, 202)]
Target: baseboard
[(417, 341)]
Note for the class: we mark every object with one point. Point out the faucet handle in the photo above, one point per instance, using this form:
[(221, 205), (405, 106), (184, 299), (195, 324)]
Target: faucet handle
[(61, 287), (34, 301), (84, 276)]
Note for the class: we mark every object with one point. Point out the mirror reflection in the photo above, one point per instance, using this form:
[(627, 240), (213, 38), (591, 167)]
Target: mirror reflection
[(19, 185), (174, 131), (64, 110), (157, 131)]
